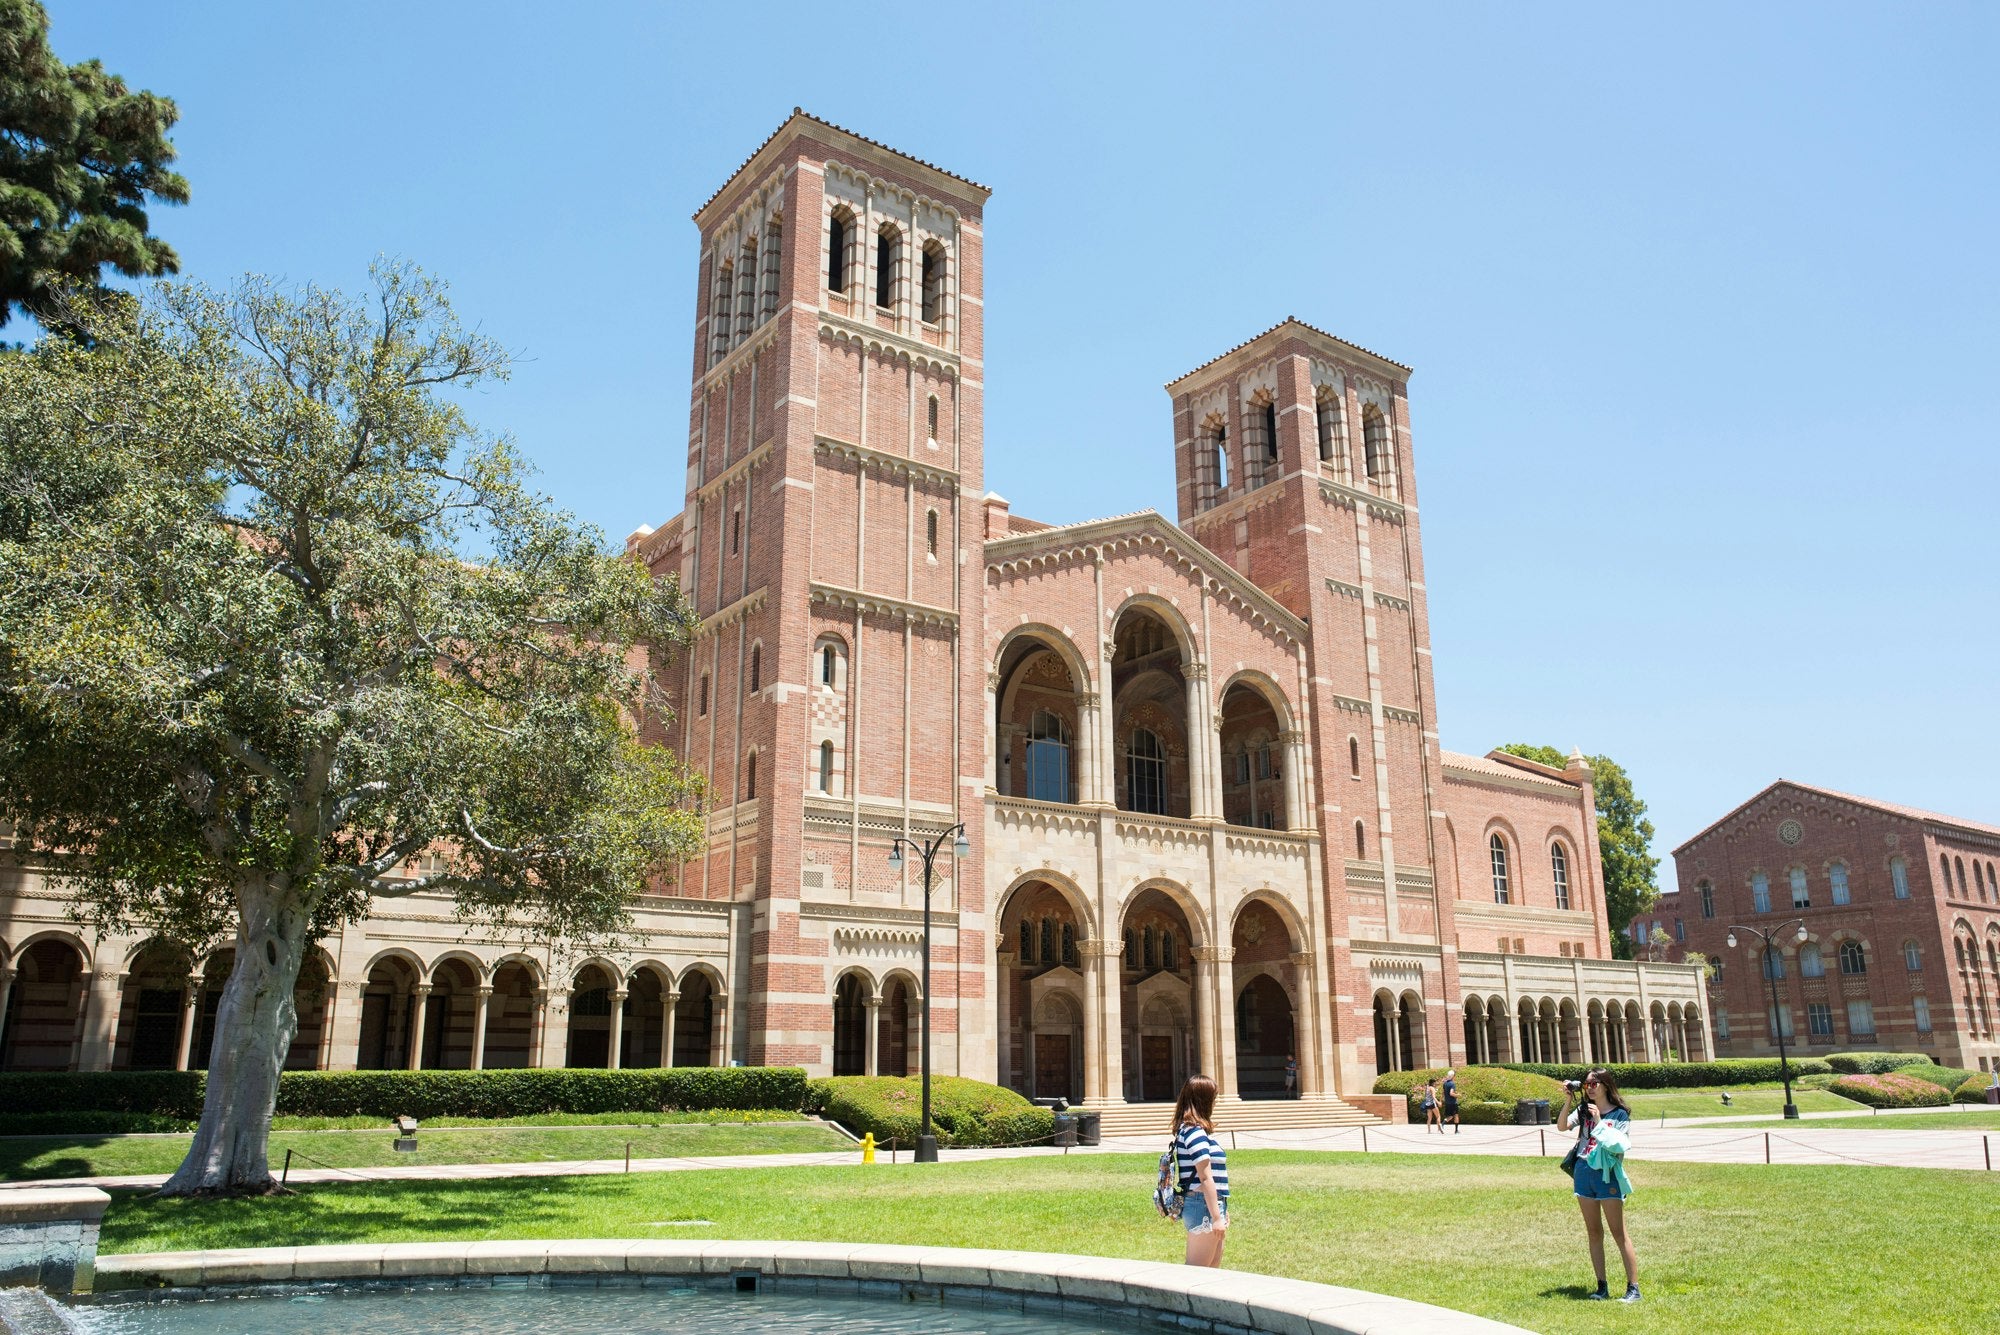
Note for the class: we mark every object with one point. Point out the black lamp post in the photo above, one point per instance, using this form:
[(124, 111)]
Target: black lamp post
[(1770, 939), (926, 1142)]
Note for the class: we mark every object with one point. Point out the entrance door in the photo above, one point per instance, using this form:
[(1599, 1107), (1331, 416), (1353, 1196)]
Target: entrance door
[(1052, 1066), (1156, 1068)]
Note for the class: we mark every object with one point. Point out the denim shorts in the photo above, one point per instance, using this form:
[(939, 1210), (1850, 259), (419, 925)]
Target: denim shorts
[(1591, 1184), (1194, 1212)]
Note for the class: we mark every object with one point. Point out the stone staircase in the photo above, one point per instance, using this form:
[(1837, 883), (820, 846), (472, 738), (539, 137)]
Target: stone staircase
[(1311, 1113)]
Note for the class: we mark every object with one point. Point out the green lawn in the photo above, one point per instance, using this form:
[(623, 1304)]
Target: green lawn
[(1733, 1248), (1975, 1118), (1651, 1104), (91, 1156)]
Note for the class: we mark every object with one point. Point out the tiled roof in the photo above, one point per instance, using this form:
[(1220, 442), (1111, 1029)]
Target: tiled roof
[(1893, 808), (1500, 768), (1289, 319), (800, 113)]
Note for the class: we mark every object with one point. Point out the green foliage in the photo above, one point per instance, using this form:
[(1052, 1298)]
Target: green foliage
[(500, 1093), (1874, 1063), (1822, 1080), (1683, 1075), (1973, 1090), (79, 157), (1891, 1089), (1946, 1077), (1624, 837), (1486, 1094), (963, 1111)]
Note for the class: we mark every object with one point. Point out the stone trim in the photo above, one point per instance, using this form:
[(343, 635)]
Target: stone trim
[(853, 600), (730, 615), (874, 338), (1183, 1297), (1379, 507), (889, 463), (730, 474)]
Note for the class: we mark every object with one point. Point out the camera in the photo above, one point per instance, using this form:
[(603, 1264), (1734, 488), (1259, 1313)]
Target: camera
[(1573, 1086)]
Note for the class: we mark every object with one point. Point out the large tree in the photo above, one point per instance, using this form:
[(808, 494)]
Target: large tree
[(1624, 837), (275, 620), (80, 155)]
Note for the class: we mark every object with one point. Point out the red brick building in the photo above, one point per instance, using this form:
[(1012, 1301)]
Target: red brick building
[(1901, 910)]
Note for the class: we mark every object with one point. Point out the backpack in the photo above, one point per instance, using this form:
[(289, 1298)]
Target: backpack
[(1167, 1195)]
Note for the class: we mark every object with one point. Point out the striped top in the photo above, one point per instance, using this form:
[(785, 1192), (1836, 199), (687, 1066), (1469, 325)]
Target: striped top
[(1195, 1145)]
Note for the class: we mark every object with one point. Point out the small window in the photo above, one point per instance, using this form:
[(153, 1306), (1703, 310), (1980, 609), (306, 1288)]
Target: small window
[(1146, 773), (1027, 942), (1360, 840), (1131, 950), (702, 696), (1853, 958), (1559, 874), (1069, 944), (1707, 899), (1680, 930), (1920, 1009), (1048, 940), (1327, 420), (1376, 448), (931, 416), (933, 283), (1913, 957), (1147, 947), (1811, 963), (735, 531), (1722, 1026), (1899, 877), (826, 767), (828, 658), (1760, 892), (1242, 767), (1496, 851), (1774, 964), (838, 238), (1861, 1019), (1801, 890), (1271, 433), (1354, 757), (1962, 893), (1836, 876), (930, 533), (1819, 1020), (1780, 1018), (1944, 871), (1263, 762), (750, 776), (886, 249), (1167, 957), (756, 668)]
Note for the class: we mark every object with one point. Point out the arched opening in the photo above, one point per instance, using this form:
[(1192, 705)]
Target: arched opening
[(694, 1020), (1260, 444), (1038, 704), (933, 283), (1501, 867), (1042, 932), (1150, 709), (1412, 1032), (311, 995), (1253, 760), (590, 1018), (510, 1017), (1265, 1040), (1211, 467), (1157, 1001), (388, 1013), (850, 1025), (1694, 1044), (826, 767), (1569, 1030), (149, 1018), (643, 1031), (1360, 840), (1379, 452), (1475, 1032), (839, 237), (448, 1016), (898, 1022), (1399, 1040), (1330, 426), (1531, 1031), (888, 253), (45, 1008)]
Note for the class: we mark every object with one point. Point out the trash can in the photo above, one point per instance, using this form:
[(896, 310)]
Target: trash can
[(1993, 1093), (1065, 1130), (1542, 1117), (1524, 1112), (1088, 1129)]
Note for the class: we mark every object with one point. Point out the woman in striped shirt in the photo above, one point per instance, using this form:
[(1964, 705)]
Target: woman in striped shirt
[(1204, 1178)]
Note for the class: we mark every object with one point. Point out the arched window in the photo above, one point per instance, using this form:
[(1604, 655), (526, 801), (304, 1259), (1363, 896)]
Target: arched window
[(1559, 873), (829, 659), (702, 710), (1962, 892), (839, 236), (1836, 876), (1360, 840), (933, 283), (1760, 892), (719, 313), (736, 530), (931, 417), (888, 253), (1027, 942), (1354, 756), (826, 767), (1270, 423), (1913, 957), (750, 776), (774, 236), (1331, 429), (1146, 955), (1774, 964), (1048, 757), (1260, 431), (1899, 877), (1801, 890), (1707, 899), (930, 533), (746, 288), (1811, 963), (1496, 851), (1979, 880), (1377, 452), (1853, 959), (756, 668), (1146, 773), (1944, 871)]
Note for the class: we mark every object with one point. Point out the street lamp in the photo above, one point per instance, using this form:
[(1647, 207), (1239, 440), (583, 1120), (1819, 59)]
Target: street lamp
[(1770, 940), (926, 1142)]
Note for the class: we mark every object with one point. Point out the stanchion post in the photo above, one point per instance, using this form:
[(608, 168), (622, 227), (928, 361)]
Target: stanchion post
[(286, 1176), (628, 1156), (1987, 1141), (1545, 1143), (1767, 1147), (1364, 1138)]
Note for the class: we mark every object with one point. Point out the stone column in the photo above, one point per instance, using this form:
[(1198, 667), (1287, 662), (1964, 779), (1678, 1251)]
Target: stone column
[(1225, 1019), (1298, 812), (420, 998), (100, 1030), (872, 1062), (1093, 1024), (343, 1051), (718, 1042), (480, 1001), (538, 1026), (1201, 738), (1090, 786), (1110, 953), (6, 995), (555, 1029), (1306, 1024), (993, 729), (668, 1000), (614, 1057), (1107, 722)]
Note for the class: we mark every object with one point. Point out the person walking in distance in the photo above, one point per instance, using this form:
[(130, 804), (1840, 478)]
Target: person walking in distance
[(1204, 1172), (1596, 1112), (1430, 1105), (1291, 1075), (1450, 1102)]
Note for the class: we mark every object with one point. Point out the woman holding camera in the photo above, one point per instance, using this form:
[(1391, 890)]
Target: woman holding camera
[(1592, 1106)]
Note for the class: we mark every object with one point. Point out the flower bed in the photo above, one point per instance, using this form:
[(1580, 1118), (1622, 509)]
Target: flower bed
[(1891, 1090)]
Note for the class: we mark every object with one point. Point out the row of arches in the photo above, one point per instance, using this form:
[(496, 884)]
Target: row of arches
[(1551, 1029), (1255, 462), (845, 266)]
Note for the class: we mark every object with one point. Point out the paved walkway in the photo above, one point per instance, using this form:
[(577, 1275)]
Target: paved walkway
[(1974, 1150)]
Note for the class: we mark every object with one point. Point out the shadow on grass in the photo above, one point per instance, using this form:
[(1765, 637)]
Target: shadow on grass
[(27, 1158)]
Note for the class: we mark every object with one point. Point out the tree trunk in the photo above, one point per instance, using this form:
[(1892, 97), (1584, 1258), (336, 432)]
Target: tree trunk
[(254, 1025)]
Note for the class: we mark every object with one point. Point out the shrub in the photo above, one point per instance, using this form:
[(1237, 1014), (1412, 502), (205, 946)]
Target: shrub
[(1891, 1089), (1486, 1094), (1683, 1075), (504, 1093), (1816, 1081), (963, 1111), (1874, 1063), (1945, 1077), (1974, 1090)]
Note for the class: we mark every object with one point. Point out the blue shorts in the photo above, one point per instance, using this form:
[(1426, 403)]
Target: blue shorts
[(1194, 1212), (1591, 1184)]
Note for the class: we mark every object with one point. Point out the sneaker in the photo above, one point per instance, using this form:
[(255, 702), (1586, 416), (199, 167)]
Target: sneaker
[(1631, 1294), (1602, 1295)]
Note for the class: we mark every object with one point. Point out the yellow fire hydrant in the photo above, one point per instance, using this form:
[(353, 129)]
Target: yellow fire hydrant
[(868, 1147)]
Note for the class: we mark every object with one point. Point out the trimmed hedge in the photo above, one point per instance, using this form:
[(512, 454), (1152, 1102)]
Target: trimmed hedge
[(963, 1111), (1947, 1078), (1683, 1075), (500, 1093), (1891, 1089), (1874, 1063), (1486, 1094), (1974, 1090)]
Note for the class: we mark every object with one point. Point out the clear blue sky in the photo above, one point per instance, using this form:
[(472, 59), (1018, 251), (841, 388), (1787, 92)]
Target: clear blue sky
[(1704, 303)]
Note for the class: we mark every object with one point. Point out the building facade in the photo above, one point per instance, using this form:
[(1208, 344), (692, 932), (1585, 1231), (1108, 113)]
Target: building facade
[(1197, 759), (1901, 910)]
